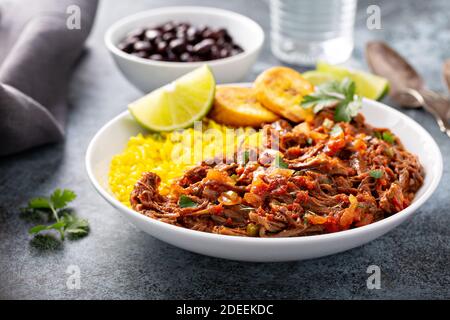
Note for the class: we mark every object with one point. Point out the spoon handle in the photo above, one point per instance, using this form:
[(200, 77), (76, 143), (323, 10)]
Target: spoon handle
[(436, 104), (446, 73)]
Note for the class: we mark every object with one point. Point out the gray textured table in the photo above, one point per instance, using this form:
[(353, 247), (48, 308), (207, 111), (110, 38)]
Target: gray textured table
[(120, 262)]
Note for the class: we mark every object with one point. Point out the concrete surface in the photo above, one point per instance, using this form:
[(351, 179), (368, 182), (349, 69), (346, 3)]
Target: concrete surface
[(119, 262)]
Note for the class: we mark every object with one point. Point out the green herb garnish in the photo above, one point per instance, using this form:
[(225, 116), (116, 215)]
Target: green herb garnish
[(388, 137), (186, 202), (385, 136), (341, 94), (279, 162), (376, 174), (65, 222)]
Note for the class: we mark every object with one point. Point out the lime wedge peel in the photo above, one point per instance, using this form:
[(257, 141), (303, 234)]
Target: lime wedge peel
[(367, 85), (178, 104)]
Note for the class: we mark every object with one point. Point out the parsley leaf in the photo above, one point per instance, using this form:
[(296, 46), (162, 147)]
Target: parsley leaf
[(39, 203), (60, 198), (376, 174), (186, 202), (65, 222), (75, 226), (58, 226), (347, 109), (341, 94)]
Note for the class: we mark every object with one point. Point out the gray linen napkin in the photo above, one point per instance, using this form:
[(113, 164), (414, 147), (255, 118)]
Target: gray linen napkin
[(37, 54)]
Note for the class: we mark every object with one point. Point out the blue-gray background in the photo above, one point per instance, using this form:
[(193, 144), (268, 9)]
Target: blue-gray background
[(120, 262)]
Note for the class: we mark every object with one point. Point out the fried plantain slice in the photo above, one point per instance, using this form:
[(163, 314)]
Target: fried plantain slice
[(280, 89), (238, 106)]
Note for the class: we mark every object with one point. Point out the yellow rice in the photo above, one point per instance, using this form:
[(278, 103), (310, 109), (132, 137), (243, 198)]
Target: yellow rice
[(170, 154)]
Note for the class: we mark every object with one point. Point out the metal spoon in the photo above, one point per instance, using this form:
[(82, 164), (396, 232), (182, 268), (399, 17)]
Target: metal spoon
[(446, 73), (407, 86)]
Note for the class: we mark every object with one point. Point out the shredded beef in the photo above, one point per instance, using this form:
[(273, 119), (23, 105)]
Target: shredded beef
[(330, 182)]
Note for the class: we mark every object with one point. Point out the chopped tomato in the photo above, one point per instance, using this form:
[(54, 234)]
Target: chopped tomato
[(315, 219), (219, 176), (302, 197), (335, 145), (350, 214), (304, 182), (360, 145)]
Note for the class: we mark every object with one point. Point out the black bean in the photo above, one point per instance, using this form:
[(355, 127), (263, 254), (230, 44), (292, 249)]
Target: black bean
[(197, 58), (189, 48), (204, 46), (169, 26), (192, 32), (184, 25), (220, 42), (218, 34), (127, 44), (142, 46), (207, 33), (201, 29), (185, 57), (156, 57), (215, 52), (180, 41), (168, 36), (152, 34), (224, 53), (136, 33), (181, 29), (177, 46), (227, 37), (172, 56), (140, 54), (180, 35), (162, 46)]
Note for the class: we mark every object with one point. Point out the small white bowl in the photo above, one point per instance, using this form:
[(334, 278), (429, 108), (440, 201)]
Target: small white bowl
[(147, 74), (112, 138)]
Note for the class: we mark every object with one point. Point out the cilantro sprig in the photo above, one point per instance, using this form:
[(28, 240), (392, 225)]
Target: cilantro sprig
[(342, 94), (64, 221), (186, 202)]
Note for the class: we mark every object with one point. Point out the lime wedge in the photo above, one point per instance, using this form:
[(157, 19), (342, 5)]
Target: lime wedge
[(178, 104), (317, 77), (367, 85)]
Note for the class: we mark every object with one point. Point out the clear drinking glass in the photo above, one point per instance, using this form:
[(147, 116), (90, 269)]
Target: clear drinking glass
[(305, 31)]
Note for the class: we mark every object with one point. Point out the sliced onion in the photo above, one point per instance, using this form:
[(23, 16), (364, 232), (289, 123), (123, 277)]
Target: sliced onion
[(229, 198)]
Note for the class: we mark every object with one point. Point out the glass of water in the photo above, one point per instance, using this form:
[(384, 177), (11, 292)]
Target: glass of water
[(305, 31)]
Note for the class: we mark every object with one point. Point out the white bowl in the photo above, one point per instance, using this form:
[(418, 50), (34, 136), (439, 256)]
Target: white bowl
[(147, 74), (112, 138)]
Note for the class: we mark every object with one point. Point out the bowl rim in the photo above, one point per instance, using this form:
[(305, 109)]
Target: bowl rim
[(121, 23), (378, 226)]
